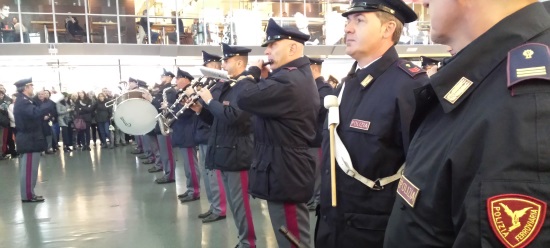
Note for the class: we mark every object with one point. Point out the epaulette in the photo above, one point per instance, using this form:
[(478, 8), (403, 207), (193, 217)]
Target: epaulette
[(291, 68), (411, 68), (528, 61)]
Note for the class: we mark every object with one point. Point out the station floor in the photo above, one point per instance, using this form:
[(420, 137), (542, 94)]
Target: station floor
[(106, 198)]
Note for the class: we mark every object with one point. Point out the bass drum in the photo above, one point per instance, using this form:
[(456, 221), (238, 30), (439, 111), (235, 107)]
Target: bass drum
[(133, 114)]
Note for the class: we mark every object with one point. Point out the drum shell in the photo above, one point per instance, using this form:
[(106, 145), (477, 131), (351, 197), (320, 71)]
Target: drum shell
[(133, 114)]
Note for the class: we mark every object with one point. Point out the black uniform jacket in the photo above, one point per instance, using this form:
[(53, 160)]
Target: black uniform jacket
[(28, 119), (376, 110), (467, 158), (324, 89), (286, 105), (231, 141), (183, 129), (171, 97), (202, 132)]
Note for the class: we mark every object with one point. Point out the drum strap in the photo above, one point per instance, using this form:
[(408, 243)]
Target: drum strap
[(343, 160)]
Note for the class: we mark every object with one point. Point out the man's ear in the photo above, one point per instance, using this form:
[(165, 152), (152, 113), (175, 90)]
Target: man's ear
[(389, 29)]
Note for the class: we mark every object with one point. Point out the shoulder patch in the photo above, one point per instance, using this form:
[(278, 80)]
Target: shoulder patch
[(515, 219), (411, 68), (291, 68), (528, 61)]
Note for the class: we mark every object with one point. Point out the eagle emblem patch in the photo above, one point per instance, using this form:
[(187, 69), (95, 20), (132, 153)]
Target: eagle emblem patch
[(515, 219)]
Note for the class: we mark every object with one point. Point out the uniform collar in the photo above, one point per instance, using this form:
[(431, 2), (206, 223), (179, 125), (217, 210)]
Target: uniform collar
[(297, 63), (510, 32), (377, 67)]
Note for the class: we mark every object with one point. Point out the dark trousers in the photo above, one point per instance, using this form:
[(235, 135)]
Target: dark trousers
[(56, 132), (67, 134), (103, 132), (84, 136), (93, 126), (10, 149)]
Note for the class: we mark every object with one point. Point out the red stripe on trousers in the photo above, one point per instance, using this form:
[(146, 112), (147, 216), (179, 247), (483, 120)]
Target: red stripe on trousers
[(223, 200), (28, 176), (170, 157), (248, 212), (320, 154), (292, 220), (194, 178)]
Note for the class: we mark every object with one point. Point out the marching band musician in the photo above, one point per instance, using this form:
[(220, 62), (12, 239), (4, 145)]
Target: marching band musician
[(183, 138), (213, 183), (230, 144), (164, 142), (324, 89), (376, 104), (285, 104), (149, 142), (30, 138)]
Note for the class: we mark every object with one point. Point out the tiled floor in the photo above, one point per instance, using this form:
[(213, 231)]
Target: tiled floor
[(106, 198)]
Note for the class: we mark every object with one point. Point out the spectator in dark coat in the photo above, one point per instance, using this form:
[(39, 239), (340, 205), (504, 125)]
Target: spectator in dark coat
[(84, 109), (102, 116)]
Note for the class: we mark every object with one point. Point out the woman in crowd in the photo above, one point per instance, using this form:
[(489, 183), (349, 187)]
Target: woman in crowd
[(64, 110), (40, 100), (54, 120), (103, 116), (84, 110), (76, 138), (93, 125)]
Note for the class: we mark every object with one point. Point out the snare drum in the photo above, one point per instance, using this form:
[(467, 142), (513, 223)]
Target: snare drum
[(133, 114)]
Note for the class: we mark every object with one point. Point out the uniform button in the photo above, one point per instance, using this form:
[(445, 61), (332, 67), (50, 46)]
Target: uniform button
[(324, 217), (326, 172)]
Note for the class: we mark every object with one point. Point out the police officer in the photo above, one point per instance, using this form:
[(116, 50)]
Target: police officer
[(164, 142), (430, 65), (477, 169), (286, 106), (30, 138), (183, 138), (213, 183), (324, 89), (376, 108), (230, 144)]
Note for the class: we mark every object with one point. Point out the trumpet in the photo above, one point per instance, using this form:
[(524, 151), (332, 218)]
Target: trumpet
[(167, 122), (168, 116)]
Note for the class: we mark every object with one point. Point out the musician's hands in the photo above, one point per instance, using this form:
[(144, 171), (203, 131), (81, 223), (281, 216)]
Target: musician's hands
[(265, 69), (46, 118), (164, 105), (205, 94), (147, 96), (197, 107), (189, 91)]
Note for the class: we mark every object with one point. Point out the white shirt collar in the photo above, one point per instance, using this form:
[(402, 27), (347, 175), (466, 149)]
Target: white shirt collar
[(360, 68)]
